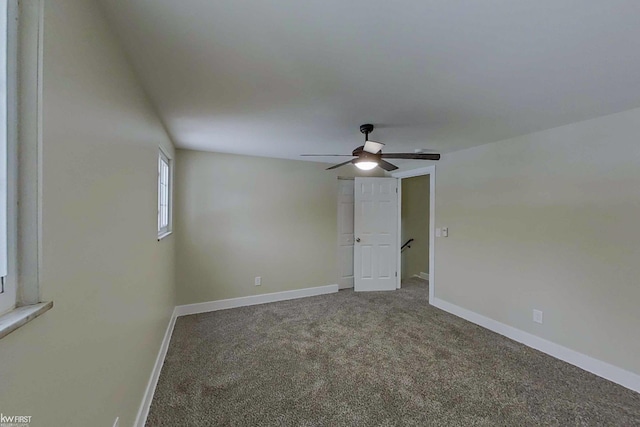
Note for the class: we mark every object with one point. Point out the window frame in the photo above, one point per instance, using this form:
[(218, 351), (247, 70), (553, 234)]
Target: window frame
[(9, 290), (24, 114), (165, 230)]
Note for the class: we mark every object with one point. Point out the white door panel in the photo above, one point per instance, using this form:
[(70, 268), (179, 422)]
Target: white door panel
[(345, 233), (376, 229)]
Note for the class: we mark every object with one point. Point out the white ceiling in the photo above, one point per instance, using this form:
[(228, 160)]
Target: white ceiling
[(280, 78)]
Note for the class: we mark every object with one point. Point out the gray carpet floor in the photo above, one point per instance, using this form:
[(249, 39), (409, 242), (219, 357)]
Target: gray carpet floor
[(370, 359)]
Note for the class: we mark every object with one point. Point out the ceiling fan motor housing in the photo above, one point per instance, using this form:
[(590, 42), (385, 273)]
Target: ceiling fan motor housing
[(366, 128)]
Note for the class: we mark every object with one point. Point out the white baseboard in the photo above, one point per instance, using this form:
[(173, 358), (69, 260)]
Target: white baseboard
[(204, 307), (423, 275), (141, 418), (602, 369)]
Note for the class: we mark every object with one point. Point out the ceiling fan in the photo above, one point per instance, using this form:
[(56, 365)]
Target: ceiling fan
[(370, 155)]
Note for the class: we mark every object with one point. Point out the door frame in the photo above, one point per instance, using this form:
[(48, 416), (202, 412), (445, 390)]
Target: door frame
[(431, 171)]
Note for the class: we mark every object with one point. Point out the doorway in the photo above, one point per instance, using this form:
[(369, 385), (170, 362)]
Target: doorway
[(425, 193), (346, 237), (414, 228)]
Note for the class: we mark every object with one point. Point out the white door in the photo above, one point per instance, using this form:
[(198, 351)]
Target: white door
[(376, 234), (345, 233)]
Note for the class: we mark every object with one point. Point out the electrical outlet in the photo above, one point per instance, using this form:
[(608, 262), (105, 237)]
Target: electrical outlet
[(537, 316), (116, 423), (258, 281), (438, 232), (445, 231)]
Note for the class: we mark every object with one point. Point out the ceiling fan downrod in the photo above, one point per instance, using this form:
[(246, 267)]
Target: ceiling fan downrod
[(366, 129)]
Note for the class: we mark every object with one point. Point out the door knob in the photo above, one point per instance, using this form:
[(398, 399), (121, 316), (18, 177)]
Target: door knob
[(358, 239)]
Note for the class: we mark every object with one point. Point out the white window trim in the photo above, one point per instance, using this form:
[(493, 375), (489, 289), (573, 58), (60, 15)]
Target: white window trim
[(27, 179), (8, 157), (166, 231)]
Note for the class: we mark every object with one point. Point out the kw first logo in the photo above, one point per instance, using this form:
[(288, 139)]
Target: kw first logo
[(14, 420)]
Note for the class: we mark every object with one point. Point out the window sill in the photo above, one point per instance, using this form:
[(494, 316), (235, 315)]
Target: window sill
[(163, 235), (20, 316)]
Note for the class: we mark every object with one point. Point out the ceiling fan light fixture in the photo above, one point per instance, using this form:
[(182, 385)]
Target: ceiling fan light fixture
[(366, 165)]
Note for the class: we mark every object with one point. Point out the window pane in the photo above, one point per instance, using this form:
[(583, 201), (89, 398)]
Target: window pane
[(163, 193)]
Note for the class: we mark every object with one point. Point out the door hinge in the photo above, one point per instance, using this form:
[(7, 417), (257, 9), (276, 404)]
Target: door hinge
[(396, 274), (396, 190)]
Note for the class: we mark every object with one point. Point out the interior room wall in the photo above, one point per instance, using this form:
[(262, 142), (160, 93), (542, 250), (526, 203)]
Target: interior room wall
[(239, 217), (88, 360), (548, 221), (415, 225)]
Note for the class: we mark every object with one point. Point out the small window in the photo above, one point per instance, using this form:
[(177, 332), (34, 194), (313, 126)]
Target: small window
[(164, 195)]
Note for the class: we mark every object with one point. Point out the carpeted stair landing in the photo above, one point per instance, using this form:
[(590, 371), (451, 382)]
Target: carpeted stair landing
[(370, 359)]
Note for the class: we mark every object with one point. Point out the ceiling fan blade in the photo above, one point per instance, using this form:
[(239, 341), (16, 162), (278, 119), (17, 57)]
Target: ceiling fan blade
[(340, 164), (373, 147), (325, 155), (386, 165), (417, 156)]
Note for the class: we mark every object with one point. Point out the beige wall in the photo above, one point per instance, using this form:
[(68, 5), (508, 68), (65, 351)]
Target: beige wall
[(415, 225), (88, 360), (548, 221), (238, 217)]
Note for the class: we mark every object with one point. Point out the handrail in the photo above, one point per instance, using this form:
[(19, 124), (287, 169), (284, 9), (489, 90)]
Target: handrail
[(407, 243)]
